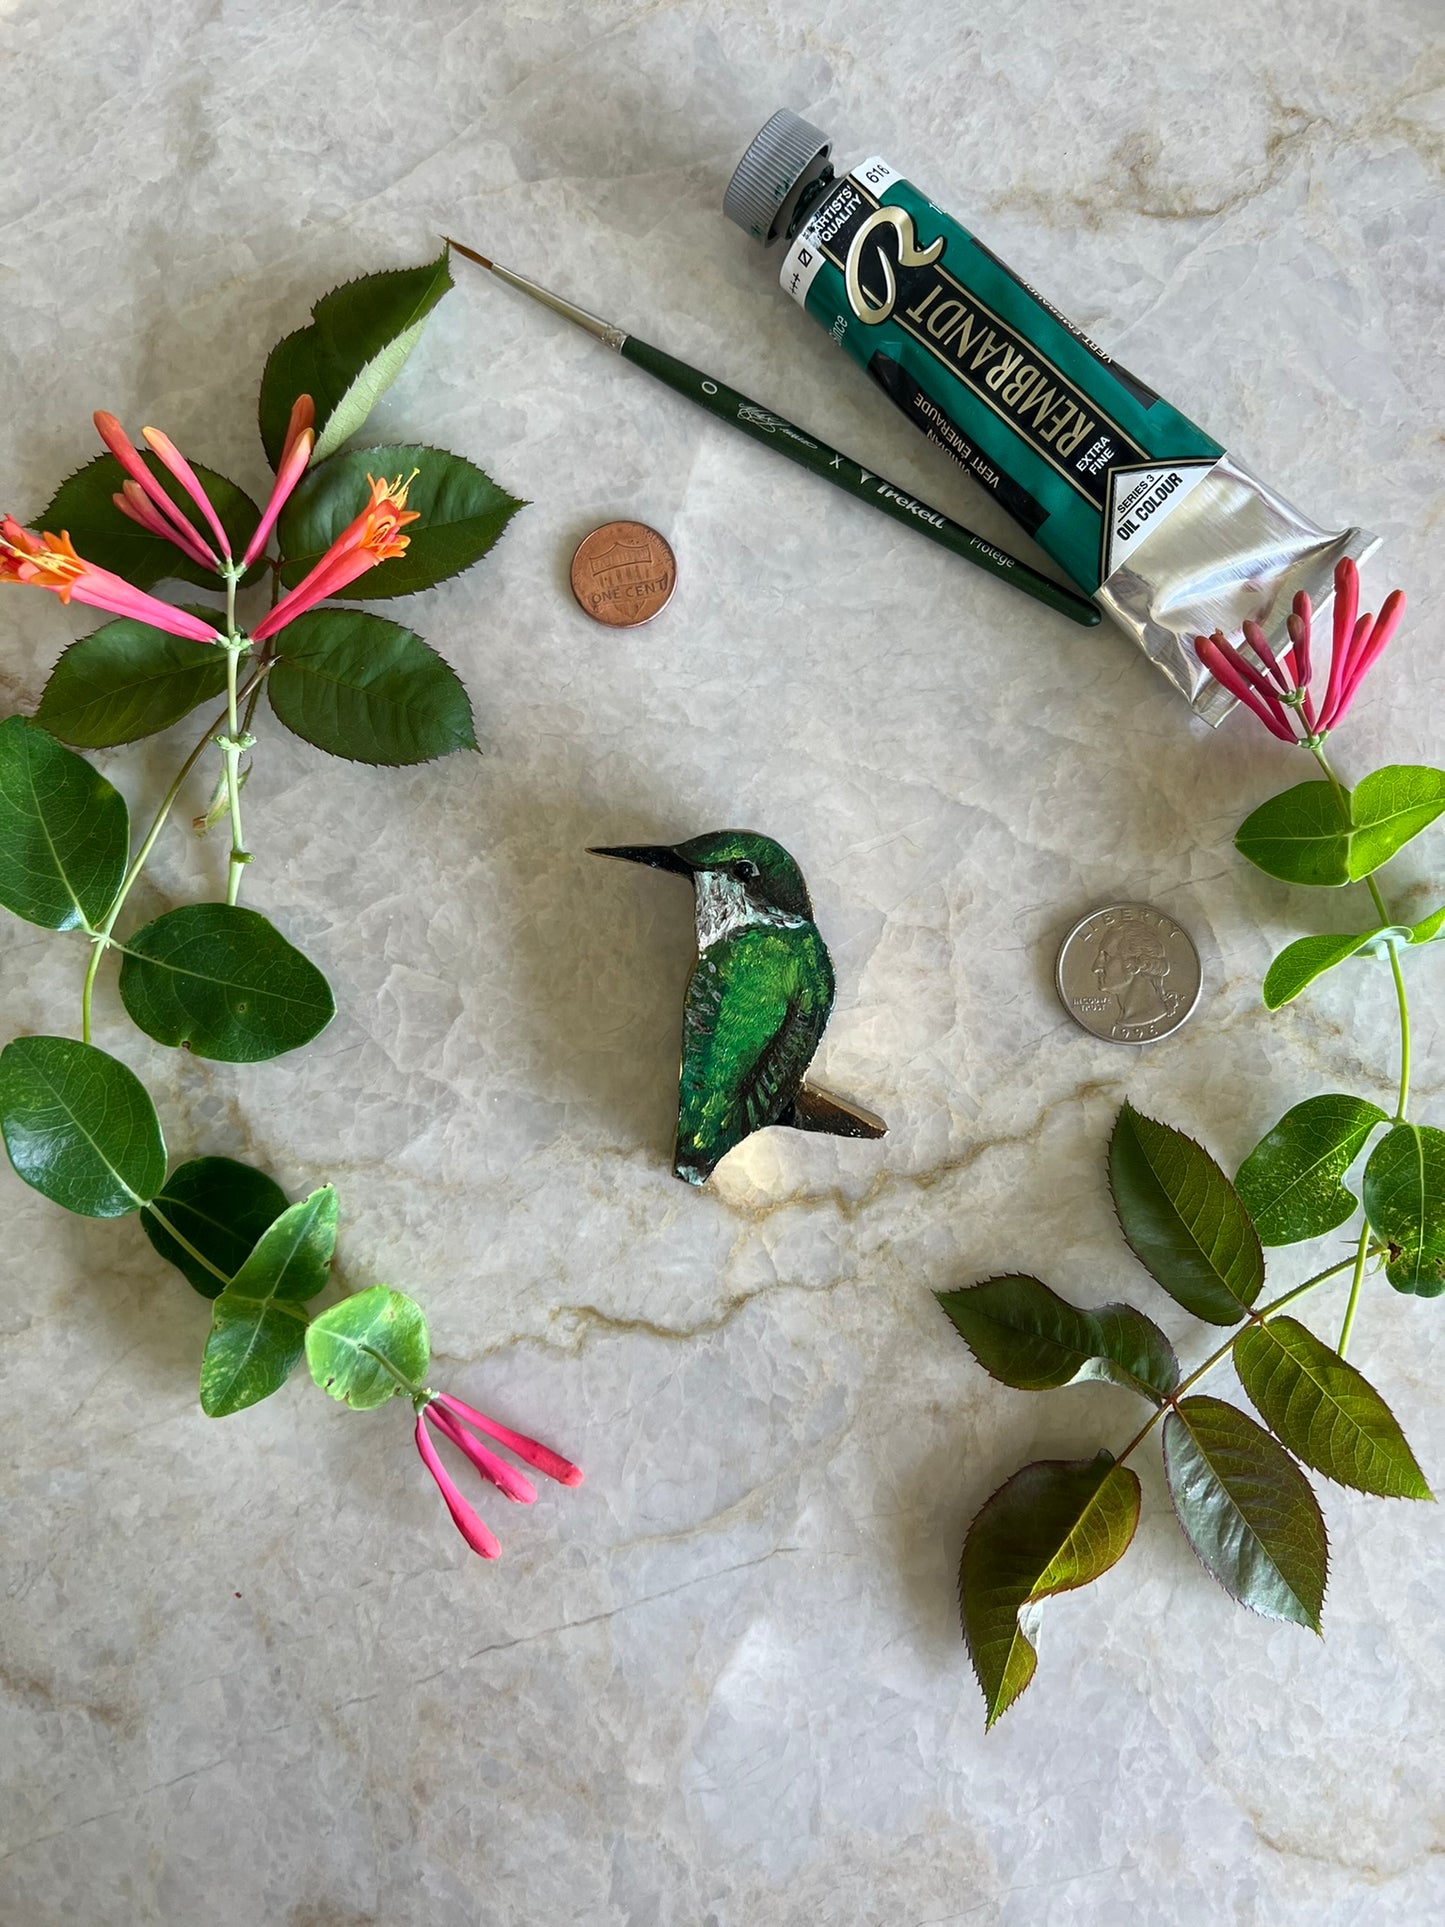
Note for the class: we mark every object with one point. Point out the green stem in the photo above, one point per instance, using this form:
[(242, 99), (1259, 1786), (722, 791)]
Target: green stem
[(1355, 1284), (184, 1242), (231, 750), (254, 698), (1317, 750), (1214, 1358), (100, 940), (1402, 1002), (1399, 976)]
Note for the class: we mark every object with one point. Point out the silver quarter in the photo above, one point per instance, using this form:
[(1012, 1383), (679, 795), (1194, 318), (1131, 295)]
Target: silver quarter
[(1128, 973)]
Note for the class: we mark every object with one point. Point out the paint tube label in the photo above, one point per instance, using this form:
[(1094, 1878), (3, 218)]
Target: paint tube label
[(1173, 537), (1086, 457)]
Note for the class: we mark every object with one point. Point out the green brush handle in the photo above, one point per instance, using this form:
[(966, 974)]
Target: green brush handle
[(738, 411)]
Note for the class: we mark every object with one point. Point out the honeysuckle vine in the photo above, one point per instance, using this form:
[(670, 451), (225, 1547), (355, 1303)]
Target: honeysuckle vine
[(212, 977), (1239, 1489)]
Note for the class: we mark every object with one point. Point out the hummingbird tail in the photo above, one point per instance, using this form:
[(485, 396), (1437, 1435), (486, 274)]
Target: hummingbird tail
[(815, 1110)]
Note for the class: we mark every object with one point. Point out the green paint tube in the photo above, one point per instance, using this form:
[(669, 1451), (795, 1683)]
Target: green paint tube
[(1169, 533)]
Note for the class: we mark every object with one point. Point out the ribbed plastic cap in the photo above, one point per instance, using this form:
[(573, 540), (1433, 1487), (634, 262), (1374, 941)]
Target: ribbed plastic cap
[(785, 156)]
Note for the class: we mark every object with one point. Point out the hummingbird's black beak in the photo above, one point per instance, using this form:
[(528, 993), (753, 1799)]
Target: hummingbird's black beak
[(657, 856)]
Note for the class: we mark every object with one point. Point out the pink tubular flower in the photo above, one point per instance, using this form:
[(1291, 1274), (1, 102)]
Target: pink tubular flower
[(1227, 666), (134, 502), (506, 1478), (452, 1419), (541, 1457), (477, 1536), (144, 500), (295, 454), (1280, 691), (1347, 603), (375, 536), (50, 562), (166, 452), (1357, 643)]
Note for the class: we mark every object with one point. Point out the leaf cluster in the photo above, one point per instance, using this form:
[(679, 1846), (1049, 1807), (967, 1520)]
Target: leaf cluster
[(215, 978), (1239, 1489)]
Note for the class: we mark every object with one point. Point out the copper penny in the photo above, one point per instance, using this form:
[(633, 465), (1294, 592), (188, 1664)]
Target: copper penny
[(623, 573)]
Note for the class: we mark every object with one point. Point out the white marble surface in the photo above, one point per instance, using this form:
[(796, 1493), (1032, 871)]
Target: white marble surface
[(250, 1675)]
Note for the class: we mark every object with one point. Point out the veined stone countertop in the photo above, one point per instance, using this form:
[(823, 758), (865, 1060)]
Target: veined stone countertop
[(250, 1673)]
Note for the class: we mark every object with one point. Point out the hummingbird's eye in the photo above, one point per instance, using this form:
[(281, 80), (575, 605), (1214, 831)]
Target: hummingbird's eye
[(745, 870)]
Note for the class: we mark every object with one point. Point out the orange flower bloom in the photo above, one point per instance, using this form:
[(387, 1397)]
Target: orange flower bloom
[(50, 562), (379, 525), (375, 536)]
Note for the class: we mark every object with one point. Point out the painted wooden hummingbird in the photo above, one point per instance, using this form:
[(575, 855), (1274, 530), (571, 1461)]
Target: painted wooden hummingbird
[(757, 1001)]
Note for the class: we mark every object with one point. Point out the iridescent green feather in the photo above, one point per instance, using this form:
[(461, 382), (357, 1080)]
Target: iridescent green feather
[(756, 1006)]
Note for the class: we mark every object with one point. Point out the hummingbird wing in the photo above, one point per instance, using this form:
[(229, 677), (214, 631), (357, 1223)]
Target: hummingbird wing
[(756, 1006)]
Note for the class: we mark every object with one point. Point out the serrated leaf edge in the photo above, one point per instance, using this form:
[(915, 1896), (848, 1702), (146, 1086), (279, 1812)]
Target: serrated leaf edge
[(1274, 1619), (1349, 1485), (1244, 1308), (1033, 1607), (363, 762)]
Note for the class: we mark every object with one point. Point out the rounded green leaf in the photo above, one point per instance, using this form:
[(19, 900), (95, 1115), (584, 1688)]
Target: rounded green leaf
[(358, 338), (1299, 963), (219, 1206), (83, 507), (1183, 1219), (126, 681), (462, 514), (1388, 809), (258, 1326), (1324, 1411), (79, 1126), (369, 1347), (223, 982), (1428, 929), (64, 832), (1404, 1194), (1026, 1336), (358, 686), (1247, 1510), (1302, 835), (1053, 1527), (1290, 1182)]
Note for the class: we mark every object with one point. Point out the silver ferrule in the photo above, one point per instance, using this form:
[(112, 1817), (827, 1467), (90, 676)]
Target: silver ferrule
[(594, 324)]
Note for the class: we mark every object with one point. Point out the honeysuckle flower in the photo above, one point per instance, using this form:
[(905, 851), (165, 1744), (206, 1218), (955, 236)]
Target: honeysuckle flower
[(1357, 643), (295, 455), (50, 562), (133, 501), (452, 1419), (375, 536), (1243, 681), (171, 457), (1280, 692), (165, 518)]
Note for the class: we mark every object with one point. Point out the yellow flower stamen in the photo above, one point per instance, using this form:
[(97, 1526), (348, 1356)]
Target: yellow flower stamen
[(386, 515), (45, 562)]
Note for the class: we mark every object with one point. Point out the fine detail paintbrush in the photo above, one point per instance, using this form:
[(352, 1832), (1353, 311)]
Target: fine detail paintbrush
[(785, 438)]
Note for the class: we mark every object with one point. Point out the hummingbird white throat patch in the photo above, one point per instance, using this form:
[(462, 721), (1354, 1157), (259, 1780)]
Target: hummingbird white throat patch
[(723, 907)]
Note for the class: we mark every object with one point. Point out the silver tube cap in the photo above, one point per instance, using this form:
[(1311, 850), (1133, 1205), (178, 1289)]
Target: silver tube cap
[(785, 156)]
